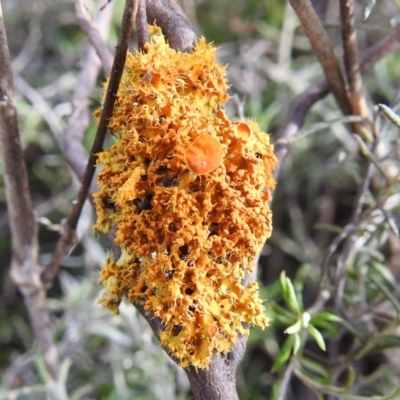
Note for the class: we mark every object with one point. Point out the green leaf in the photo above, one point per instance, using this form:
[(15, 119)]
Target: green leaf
[(366, 152), (351, 376), (316, 334), (289, 294), (339, 391), (383, 342), (295, 328), (319, 370), (390, 114), (305, 319), (283, 285), (386, 292), (326, 316), (280, 312), (326, 326), (284, 354), (296, 343)]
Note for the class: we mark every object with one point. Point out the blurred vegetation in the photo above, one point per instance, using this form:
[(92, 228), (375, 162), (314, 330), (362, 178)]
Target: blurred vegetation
[(335, 331)]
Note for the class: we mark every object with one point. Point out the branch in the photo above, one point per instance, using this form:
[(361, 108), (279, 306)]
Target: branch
[(25, 268), (142, 28), (71, 144), (94, 36), (176, 27), (351, 63), (322, 48), (318, 90), (62, 247), (218, 382)]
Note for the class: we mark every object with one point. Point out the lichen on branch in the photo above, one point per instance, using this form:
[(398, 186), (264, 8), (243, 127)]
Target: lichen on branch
[(188, 192)]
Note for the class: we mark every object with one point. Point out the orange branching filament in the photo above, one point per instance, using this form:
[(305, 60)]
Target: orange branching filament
[(187, 190)]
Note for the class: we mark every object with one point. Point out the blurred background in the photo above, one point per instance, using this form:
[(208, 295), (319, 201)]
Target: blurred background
[(326, 189)]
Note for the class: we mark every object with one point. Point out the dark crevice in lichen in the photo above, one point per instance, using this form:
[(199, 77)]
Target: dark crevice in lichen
[(167, 182), (175, 330), (144, 204), (183, 251)]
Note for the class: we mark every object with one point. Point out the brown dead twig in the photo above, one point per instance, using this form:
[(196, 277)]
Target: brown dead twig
[(25, 268)]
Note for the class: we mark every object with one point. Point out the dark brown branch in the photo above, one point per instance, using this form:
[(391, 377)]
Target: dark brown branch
[(116, 73), (351, 62), (168, 15), (322, 48), (25, 269), (94, 36), (142, 30), (21, 218), (318, 90), (218, 382)]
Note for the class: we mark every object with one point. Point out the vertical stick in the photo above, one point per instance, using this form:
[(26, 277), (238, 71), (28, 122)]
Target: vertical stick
[(322, 48), (351, 62), (25, 269), (141, 25)]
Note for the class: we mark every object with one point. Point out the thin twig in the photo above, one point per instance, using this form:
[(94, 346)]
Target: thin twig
[(25, 268), (286, 38), (94, 36), (322, 48), (142, 30), (119, 61), (71, 144), (40, 104), (29, 48), (287, 377), (351, 63)]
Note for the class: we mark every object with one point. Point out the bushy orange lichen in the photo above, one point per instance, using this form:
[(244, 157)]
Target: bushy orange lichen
[(188, 192)]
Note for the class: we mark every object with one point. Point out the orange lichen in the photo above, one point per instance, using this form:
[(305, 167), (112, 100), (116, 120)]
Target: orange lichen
[(204, 154), (187, 190)]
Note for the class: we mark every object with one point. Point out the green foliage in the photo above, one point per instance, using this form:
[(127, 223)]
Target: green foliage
[(301, 323)]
